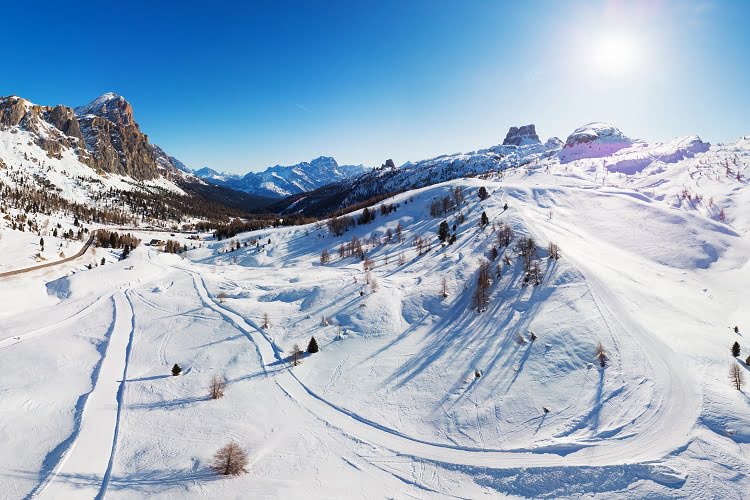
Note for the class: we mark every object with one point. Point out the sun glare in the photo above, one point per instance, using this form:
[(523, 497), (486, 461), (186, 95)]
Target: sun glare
[(614, 54)]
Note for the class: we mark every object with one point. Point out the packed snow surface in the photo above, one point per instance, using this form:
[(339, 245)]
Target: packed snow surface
[(654, 265)]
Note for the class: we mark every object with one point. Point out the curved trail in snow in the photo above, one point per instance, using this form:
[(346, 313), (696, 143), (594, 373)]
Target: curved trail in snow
[(88, 309), (671, 417), (650, 445), (84, 469)]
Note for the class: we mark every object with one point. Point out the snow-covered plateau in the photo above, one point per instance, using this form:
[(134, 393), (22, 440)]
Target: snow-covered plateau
[(602, 373)]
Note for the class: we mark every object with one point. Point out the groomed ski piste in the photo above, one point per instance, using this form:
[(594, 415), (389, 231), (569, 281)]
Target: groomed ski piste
[(391, 407)]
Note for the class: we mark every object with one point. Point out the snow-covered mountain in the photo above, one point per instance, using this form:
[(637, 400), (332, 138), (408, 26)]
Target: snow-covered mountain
[(521, 150), (96, 155), (281, 181)]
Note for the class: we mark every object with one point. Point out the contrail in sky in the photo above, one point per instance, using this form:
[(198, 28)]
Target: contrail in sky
[(302, 107)]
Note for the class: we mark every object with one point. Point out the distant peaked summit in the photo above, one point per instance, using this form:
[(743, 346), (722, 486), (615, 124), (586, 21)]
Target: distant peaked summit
[(112, 106), (521, 136), (594, 140), (280, 180)]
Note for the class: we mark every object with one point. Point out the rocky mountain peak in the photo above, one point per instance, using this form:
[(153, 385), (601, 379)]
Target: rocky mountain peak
[(112, 106), (521, 136)]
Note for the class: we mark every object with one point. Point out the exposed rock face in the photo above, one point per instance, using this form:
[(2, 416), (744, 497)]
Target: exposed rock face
[(111, 106), (521, 136), (103, 134)]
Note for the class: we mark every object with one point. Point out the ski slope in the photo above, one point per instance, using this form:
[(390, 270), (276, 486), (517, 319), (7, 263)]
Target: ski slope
[(390, 406)]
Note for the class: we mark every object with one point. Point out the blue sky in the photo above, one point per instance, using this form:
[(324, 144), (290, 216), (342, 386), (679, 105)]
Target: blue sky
[(242, 86)]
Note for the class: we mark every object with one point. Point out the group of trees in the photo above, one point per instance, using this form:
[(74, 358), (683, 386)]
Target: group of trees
[(112, 239), (441, 206), (339, 223), (172, 246), (352, 248)]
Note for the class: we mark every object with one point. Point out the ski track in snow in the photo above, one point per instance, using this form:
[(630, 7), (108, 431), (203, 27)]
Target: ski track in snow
[(650, 444), (85, 468)]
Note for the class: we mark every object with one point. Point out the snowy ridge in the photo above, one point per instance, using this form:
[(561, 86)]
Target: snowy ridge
[(281, 181)]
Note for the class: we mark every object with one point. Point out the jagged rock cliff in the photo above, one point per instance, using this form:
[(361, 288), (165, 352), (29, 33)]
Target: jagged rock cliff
[(103, 134)]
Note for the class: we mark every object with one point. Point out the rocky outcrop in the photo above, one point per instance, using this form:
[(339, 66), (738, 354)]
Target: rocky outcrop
[(103, 134), (521, 136), (112, 107)]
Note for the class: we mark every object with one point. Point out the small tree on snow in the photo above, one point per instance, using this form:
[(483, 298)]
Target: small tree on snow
[(229, 460), (312, 347), (601, 355), (483, 194), (736, 349), (296, 355), (480, 298), (444, 287), (484, 220), (216, 389), (443, 231), (554, 251), (176, 370), (266, 321), (736, 376)]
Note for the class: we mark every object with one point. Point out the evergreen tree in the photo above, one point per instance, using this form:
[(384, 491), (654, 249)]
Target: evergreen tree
[(176, 370), (485, 220), (483, 194), (443, 231), (736, 349), (312, 347)]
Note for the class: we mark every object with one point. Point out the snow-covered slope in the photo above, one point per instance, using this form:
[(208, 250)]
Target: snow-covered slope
[(280, 181), (392, 405)]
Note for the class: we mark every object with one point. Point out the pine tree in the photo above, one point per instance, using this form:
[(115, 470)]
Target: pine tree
[(176, 370), (483, 195), (485, 220), (443, 231), (736, 349), (312, 347)]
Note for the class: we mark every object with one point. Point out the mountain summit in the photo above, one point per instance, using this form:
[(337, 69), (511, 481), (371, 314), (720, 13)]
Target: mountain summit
[(111, 106), (521, 136), (280, 180)]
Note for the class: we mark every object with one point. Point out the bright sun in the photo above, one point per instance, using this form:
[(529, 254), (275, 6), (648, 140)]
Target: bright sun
[(614, 54)]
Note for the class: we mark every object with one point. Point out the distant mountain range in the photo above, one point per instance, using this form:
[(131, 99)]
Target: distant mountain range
[(521, 148), (282, 181), (97, 155)]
